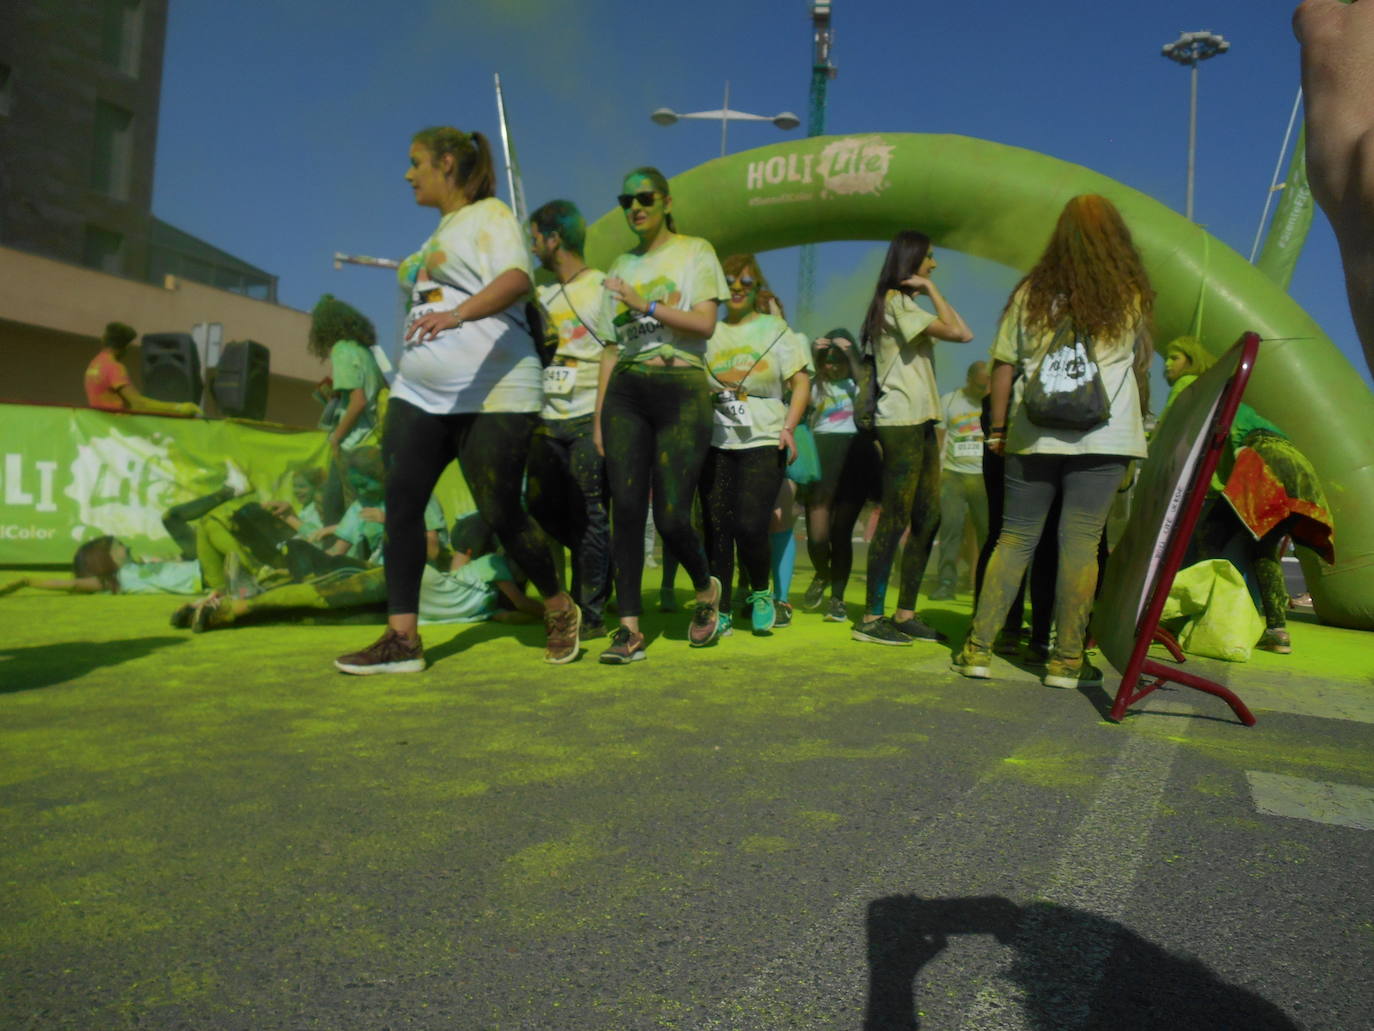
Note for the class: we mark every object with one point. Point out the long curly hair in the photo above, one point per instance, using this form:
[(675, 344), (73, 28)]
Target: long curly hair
[(332, 321), (747, 264), (1090, 272)]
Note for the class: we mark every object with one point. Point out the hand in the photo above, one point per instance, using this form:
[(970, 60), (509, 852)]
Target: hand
[(321, 534), (188, 408), (277, 508), (626, 294), (427, 327), (918, 283), (13, 586), (334, 446), (997, 443), (787, 440), (373, 515)]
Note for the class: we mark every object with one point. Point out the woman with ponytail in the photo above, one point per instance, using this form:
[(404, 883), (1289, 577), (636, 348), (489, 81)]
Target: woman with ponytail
[(653, 404), (468, 387)]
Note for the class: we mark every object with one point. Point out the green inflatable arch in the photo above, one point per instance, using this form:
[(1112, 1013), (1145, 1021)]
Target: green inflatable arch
[(1000, 202)]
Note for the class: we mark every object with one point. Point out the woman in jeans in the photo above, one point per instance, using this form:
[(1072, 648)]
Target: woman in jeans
[(1091, 277), (900, 334), (468, 386), (653, 405)]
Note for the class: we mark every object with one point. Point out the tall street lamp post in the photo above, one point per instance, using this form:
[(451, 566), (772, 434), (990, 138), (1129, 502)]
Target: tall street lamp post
[(783, 120), (1189, 49)]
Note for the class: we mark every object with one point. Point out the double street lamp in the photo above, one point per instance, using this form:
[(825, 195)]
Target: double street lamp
[(1189, 49), (783, 120)]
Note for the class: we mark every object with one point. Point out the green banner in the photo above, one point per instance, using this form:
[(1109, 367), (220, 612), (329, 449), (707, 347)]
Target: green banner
[(1292, 220), (70, 474)]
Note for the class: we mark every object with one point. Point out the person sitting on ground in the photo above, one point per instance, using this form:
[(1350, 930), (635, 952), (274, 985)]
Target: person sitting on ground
[(107, 379)]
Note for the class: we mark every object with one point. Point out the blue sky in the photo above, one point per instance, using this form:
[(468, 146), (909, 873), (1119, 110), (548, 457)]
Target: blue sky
[(284, 127)]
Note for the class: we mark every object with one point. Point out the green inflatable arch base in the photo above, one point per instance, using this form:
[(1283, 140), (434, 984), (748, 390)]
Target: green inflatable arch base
[(1000, 202)]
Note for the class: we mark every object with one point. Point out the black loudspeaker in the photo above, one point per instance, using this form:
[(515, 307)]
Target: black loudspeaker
[(171, 367), (240, 384)]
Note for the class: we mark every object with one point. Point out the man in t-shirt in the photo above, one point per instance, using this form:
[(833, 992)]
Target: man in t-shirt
[(961, 478), (107, 380), (566, 473)]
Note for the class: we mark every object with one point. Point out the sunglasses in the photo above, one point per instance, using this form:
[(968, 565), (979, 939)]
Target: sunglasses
[(744, 281), (645, 198)]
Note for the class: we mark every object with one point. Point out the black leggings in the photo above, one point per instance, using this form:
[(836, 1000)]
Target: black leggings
[(911, 498), (491, 448), (738, 489), (833, 505), (656, 426)]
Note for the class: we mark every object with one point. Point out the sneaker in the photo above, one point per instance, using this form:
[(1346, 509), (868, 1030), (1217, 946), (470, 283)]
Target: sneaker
[(667, 599), (390, 654), (944, 592), (762, 612), (836, 612), (1037, 653), (1060, 673), (210, 612), (562, 627), (725, 625), (182, 617), (973, 661), (919, 630), (815, 594), (1276, 640), (591, 629), (1007, 643), (705, 619), (782, 615), (878, 630), (626, 646)]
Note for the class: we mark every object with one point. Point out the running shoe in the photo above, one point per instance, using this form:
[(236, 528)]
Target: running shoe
[(182, 617), (878, 630), (210, 612), (762, 612), (562, 627), (815, 594), (1061, 673), (626, 646), (726, 626), (1007, 643), (973, 661), (836, 612), (705, 619), (782, 615), (591, 629), (390, 654), (1276, 640), (1037, 653), (919, 630)]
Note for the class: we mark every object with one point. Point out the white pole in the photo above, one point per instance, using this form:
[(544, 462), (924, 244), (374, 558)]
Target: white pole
[(1278, 170), (1192, 137)]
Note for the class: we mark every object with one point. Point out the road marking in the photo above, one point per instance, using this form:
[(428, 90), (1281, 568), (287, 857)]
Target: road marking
[(1342, 805)]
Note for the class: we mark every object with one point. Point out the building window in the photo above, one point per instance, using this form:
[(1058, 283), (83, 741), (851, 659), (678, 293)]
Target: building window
[(103, 250), (121, 36), (112, 163)]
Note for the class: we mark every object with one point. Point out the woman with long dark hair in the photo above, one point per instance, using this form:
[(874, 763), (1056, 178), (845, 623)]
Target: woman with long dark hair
[(899, 334), (468, 386), (1091, 283), (654, 405)]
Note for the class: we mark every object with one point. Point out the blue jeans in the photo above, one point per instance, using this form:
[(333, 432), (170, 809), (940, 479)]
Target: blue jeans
[(1088, 484)]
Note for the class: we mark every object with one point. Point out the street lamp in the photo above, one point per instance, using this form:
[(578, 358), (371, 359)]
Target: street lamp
[(783, 120), (1189, 49)]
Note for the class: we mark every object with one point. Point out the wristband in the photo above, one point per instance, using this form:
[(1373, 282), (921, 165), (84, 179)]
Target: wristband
[(649, 311)]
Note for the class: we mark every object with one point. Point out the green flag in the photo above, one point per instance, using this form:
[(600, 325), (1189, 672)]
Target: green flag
[(1292, 220)]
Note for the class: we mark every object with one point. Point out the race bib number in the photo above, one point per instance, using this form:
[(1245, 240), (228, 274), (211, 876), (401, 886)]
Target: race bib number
[(428, 296), (968, 449), (730, 411), (559, 380)]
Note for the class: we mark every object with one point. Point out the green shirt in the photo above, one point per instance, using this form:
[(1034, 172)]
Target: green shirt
[(351, 366)]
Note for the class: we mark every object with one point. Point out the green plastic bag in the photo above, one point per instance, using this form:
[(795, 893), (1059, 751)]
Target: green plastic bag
[(1222, 621), (806, 468)]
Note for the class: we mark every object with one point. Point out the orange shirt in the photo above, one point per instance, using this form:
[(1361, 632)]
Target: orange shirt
[(104, 376)]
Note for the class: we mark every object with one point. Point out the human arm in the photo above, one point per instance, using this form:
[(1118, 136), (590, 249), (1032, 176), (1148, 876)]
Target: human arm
[(137, 402), (609, 356), (357, 401), (949, 324), (999, 396), (697, 321), (523, 602), (800, 385), (494, 298), (1337, 41), (79, 585)]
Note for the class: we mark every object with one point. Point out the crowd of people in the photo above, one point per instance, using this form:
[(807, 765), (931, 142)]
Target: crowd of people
[(671, 388)]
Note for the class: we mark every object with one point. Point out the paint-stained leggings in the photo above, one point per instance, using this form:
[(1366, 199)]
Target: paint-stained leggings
[(737, 493), (833, 505), (491, 449), (911, 498), (1087, 485), (656, 428)]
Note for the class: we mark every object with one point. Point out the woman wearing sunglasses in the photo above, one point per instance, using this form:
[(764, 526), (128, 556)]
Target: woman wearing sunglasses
[(468, 386), (753, 359), (653, 405), (900, 334)]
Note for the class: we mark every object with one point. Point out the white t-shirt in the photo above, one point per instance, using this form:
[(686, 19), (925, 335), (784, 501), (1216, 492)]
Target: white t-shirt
[(575, 310), (904, 354), (679, 274), (1124, 431), (487, 365), (832, 405), (963, 433), (758, 355)]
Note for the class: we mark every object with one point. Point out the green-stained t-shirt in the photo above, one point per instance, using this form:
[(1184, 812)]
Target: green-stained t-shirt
[(1246, 422), (352, 366), (365, 538), (467, 595), (575, 310), (679, 274), (905, 365), (760, 355), (311, 520), (159, 578)]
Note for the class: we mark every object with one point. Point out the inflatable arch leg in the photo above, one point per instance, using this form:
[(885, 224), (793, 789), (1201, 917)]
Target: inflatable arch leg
[(1001, 202)]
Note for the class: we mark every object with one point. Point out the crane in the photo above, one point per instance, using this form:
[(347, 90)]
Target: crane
[(822, 71)]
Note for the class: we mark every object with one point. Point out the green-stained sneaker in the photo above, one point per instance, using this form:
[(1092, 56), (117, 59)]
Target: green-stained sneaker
[(761, 611)]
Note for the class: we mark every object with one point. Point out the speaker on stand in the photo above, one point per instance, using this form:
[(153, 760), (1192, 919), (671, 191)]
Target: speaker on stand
[(241, 379), (171, 367)]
